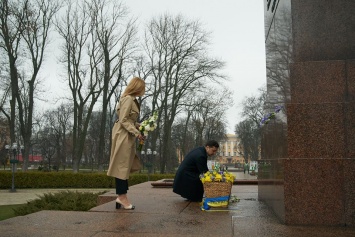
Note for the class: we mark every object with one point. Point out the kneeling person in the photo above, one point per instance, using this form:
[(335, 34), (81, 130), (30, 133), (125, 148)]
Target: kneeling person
[(187, 181)]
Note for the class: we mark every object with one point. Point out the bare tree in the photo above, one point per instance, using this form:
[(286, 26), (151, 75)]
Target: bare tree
[(37, 22), (115, 48), (253, 106), (203, 120), (98, 42), (10, 36), (279, 57), (46, 143), (58, 121), (248, 130), (209, 113), (92, 141), (25, 25), (74, 27), (4, 140), (249, 136), (177, 52)]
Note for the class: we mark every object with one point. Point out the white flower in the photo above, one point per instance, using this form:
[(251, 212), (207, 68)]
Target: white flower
[(146, 126)]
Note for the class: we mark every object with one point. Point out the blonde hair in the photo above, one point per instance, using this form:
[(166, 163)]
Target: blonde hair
[(135, 87)]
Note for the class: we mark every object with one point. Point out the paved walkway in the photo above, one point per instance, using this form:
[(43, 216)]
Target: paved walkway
[(240, 175), (160, 212)]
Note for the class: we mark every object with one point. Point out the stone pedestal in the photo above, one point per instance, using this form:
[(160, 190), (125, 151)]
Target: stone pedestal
[(308, 160)]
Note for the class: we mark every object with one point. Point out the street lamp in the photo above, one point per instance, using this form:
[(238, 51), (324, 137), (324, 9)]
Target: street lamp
[(142, 153), (149, 164), (22, 147), (8, 147), (154, 154), (13, 163)]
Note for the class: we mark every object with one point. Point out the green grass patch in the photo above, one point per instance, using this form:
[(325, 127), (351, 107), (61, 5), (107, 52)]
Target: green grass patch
[(7, 211)]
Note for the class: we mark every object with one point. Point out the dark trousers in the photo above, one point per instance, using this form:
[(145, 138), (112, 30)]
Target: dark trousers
[(121, 186)]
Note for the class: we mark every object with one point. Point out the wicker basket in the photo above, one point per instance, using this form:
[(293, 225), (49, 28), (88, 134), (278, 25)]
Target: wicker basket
[(217, 189)]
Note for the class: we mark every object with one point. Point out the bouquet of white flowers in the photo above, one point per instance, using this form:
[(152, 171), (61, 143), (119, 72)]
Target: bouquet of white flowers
[(147, 126)]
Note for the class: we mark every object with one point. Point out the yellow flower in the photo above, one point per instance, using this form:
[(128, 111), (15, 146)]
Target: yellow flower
[(208, 179), (218, 177)]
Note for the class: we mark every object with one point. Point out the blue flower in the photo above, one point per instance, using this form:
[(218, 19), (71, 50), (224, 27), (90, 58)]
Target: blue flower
[(271, 115), (278, 108)]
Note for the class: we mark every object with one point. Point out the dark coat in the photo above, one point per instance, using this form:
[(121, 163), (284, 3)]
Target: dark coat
[(187, 182)]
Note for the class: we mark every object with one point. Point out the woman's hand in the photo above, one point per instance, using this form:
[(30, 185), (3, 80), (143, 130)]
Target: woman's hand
[(141, 137)]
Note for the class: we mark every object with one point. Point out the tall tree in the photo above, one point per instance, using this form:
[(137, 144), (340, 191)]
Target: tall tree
[(248, 130), (177, 52), (98, 42), (208, 115), (4, 140), (115, 48), (58, 121), (25, 25), (10, 36), (74, 28), (278, 60), (249, 136)]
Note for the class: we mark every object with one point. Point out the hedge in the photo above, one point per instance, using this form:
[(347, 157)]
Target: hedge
[(40, 179)]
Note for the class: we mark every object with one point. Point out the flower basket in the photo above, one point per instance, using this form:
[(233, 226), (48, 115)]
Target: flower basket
[(217, 194), (217, 185), (217, 189)]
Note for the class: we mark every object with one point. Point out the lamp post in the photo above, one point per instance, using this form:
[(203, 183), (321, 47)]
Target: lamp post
[(142, 153), (149, 165), (13, 163), (154, 154), (7, 148), (22, 147)]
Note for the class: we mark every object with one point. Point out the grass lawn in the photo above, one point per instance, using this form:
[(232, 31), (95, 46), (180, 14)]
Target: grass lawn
[(7, 211)]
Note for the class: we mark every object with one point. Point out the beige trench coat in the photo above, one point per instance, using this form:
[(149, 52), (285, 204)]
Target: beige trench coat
[(124, 135)]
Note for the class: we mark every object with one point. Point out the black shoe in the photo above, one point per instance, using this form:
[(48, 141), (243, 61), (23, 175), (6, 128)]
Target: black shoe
[(119, 204)]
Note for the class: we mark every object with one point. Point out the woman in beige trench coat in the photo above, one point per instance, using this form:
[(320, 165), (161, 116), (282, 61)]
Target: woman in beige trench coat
[(124, 134)]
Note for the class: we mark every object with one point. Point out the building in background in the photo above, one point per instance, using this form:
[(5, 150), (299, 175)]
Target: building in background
[(229, 154)]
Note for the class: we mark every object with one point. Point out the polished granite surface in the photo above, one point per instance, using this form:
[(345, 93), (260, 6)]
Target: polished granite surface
[(308, 150)]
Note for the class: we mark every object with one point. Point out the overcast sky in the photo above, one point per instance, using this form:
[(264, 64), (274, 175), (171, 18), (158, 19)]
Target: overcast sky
[(237, 38)]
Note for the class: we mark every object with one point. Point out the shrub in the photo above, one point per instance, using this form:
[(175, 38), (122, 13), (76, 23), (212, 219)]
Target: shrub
[(64, 201), (61, 179)]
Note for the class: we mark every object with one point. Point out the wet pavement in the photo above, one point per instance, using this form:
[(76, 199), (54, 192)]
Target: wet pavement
[(160, 212)]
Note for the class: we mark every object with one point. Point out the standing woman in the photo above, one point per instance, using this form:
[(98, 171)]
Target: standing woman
[(124, 134)]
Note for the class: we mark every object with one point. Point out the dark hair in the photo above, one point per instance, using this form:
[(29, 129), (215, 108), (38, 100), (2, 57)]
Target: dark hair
[(212, 143)]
